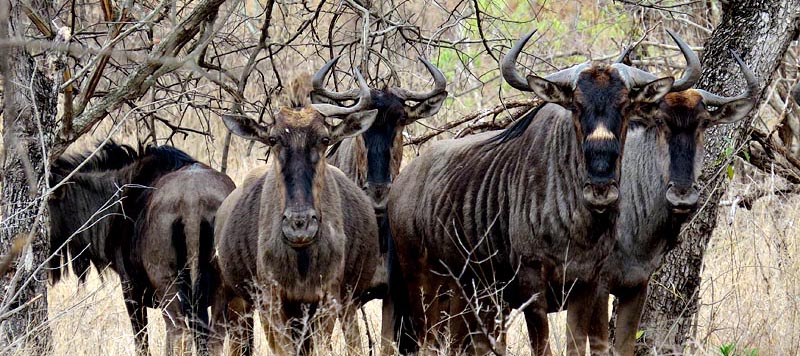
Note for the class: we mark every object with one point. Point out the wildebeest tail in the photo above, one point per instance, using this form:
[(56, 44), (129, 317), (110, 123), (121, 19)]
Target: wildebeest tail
[(194, 278), (202, 290), (183, 280)]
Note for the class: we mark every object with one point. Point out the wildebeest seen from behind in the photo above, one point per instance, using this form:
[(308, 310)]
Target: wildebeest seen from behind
[(302, 236), (373, 159), (514, 212), (663, 158), (149, 217)]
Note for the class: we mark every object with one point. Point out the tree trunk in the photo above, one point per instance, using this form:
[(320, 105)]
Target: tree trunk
[(760, 32), (29, 124)]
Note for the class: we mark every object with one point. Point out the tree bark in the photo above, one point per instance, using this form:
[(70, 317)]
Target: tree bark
[(29, 124), (760, 32)]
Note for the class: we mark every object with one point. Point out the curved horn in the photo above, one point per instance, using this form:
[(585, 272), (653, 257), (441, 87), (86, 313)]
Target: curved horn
[(318, 84), (364, 97), (750, 92), (508, 66), (796, 93), (626, 51), (692, 72), (439, 85)]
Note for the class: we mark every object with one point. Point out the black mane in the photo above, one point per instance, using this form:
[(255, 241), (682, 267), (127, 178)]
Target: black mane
[(517, 128), (111, 156)]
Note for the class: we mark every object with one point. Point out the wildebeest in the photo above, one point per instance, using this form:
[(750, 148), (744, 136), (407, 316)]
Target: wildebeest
[(300, 237), (149, 217), (663, 158), (493, 219), (373, 159)]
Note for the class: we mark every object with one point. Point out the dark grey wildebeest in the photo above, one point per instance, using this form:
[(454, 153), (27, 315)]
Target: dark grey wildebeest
[(488, 222), (663, 158), (149, 217), (299, 237), (373, 159)]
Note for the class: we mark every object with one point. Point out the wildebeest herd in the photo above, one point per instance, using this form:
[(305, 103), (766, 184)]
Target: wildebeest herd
[(580, 198)]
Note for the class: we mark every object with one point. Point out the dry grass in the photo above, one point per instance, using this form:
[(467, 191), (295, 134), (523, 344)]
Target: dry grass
[(749, 291)]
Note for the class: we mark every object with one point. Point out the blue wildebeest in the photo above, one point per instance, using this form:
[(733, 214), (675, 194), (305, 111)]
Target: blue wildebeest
[(496, 218), (299, 236), (373, 159), (149, 217), (663, 158)]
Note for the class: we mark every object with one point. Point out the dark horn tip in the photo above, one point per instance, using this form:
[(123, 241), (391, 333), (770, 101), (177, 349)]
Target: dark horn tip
[(749, 76), (319, 76), (693, 71), (508, 66)]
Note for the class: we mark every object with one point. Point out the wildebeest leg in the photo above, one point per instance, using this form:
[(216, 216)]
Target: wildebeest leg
[(275, 322), (598, 328), (581, 301), (137, 312), (240, 327), (629, 314), (532, 290)]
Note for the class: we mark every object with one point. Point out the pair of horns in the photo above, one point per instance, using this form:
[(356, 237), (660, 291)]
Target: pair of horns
[(362, 93), (633, 77), (439, 85), (692, 74)]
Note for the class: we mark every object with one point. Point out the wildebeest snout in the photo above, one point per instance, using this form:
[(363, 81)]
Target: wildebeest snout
[(682, 198), (300, 227), (600, 196), (379, 193)]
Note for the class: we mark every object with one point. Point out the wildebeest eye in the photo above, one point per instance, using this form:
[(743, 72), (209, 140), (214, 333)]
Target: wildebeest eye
[(325, 141), (272, 140)]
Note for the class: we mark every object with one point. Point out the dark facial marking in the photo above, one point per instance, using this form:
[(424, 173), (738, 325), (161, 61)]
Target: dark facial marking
[(600, 104)]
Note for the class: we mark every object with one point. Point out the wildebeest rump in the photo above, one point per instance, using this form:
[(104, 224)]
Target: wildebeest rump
[(301, 236), (158, 237), (664, 156), (373, 159), (497, 217)]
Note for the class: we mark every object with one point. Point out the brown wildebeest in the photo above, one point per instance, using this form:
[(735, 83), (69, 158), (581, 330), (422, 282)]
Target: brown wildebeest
[(300, 237), (498, 217), (149, 217), (373, 159), (663, 158)]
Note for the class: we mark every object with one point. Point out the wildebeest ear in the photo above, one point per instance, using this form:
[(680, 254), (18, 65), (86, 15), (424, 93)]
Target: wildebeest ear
[(653, 91), (428, 107), (353, 124), (731, 112), (549, 91), (246, 127)]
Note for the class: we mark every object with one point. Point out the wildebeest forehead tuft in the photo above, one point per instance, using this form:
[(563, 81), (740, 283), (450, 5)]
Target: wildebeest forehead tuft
[(598, 75), (298, 118), (688, 99)]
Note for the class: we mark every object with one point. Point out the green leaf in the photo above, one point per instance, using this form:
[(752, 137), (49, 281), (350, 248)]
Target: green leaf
[(730, 171), (727, 350), (639, 334)]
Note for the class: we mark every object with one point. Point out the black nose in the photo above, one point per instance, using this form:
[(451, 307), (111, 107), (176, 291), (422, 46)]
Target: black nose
[(682, 197), (300, 227), (379, 193)]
